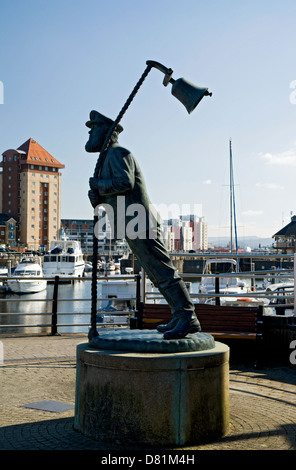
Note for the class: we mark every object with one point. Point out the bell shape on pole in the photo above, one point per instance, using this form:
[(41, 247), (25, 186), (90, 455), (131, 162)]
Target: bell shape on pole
[(188, 93)]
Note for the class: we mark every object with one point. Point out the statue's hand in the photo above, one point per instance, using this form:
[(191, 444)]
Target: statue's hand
[(93, 183), (94, 198)]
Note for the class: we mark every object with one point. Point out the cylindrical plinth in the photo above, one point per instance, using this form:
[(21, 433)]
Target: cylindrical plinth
[(152, 399)]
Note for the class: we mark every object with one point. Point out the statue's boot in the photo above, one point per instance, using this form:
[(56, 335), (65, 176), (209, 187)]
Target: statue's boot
[(187, 323), (169, 326), (179, 300)]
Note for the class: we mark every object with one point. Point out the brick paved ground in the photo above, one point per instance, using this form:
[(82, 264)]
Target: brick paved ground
[(262, 401)]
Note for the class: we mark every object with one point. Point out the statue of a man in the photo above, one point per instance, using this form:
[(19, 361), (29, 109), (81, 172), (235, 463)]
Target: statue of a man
[(121, 186)]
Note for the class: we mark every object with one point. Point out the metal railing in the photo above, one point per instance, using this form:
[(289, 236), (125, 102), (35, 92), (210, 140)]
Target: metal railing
[(55, 300), (140, 295)]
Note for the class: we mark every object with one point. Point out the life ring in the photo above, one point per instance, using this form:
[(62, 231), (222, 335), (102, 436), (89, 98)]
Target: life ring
[(246, 299)]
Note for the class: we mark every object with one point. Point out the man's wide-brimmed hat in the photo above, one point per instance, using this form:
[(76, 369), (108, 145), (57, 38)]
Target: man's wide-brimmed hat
[(98, 118)]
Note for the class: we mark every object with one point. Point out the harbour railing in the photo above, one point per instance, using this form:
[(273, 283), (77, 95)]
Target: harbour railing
[(52, 313)]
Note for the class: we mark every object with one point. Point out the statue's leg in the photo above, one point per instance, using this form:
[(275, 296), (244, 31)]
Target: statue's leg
[(155, 260)]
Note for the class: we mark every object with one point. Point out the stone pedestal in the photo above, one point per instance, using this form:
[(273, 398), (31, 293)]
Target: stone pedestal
[(152, 398)]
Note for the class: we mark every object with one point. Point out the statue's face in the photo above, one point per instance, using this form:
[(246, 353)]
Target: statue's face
[(97, 135)]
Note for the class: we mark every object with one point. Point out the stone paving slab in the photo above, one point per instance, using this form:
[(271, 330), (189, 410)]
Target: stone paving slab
[(40, 368)]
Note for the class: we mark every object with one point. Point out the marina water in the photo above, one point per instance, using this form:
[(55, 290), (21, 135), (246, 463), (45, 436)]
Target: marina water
[(74, 308)]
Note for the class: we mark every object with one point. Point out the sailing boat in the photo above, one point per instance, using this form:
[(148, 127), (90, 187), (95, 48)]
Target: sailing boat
[(227, 284), (232, 203)]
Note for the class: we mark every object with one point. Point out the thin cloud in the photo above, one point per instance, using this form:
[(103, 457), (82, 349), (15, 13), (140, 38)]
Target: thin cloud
[(252, 213), (287, 158), (207, 182), (269, 186)]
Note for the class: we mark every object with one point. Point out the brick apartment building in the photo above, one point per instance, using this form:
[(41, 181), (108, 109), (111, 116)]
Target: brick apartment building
[(30, 193)]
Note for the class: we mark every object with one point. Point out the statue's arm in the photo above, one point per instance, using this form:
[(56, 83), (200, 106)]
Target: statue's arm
[(121, 178)]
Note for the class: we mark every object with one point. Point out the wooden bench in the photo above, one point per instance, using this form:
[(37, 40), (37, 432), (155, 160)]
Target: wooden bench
[(222, 322)]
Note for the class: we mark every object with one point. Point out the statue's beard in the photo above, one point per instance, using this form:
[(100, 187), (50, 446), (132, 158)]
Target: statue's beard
[(96, 140)]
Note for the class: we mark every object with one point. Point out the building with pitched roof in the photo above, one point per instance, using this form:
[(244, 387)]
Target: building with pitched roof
[(285, 239), (30, 186), (7, 230)]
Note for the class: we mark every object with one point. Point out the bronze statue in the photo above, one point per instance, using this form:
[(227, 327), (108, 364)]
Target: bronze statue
[(121, 187)]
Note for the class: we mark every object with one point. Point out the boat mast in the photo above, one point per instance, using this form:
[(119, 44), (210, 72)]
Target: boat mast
[(231, 193), (232, 202)]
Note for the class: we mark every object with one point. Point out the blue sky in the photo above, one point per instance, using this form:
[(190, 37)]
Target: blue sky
[(61, 59)]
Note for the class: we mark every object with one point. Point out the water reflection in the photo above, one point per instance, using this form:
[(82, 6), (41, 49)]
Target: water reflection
[(74, 309), (29, 309)]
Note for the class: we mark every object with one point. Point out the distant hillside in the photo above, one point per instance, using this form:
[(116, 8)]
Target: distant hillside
[(243, 242)]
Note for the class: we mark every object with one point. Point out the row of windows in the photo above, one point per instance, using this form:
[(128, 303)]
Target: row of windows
[(46, 159), (9, 158), (44, 218), (44, 226), (42, 168)]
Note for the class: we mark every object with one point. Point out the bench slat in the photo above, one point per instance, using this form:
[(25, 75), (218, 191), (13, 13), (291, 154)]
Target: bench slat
[(220, 321)]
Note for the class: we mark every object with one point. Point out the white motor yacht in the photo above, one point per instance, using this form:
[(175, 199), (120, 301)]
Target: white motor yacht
[(65, 259), (31, 276)]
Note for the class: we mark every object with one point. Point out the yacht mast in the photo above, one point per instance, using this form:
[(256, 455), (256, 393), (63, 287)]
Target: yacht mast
[(232, 203)]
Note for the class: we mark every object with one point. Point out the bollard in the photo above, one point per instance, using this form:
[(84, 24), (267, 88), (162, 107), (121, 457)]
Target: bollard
[(54, 317)]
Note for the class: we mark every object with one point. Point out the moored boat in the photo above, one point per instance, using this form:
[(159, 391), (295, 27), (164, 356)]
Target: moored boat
[(65, 259), (225, 270), (29, 277)]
